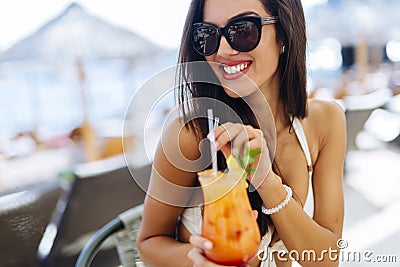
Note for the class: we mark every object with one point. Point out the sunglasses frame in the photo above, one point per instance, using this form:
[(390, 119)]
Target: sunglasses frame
[(258, 22)]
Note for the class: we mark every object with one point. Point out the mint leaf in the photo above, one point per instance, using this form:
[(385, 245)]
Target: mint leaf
[(248, 158), (254, 152), (250, 170)]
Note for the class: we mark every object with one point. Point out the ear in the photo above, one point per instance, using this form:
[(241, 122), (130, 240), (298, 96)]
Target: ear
[(283, 46)]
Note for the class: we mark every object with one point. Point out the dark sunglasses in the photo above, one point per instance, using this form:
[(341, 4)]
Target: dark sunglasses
[(243, 34)]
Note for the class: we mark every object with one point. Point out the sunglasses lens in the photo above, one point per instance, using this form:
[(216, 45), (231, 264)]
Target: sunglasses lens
[(243, 35), (205, 39)]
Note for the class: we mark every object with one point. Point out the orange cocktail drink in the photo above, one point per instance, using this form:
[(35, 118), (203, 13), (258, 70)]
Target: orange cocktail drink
[(227, 219)]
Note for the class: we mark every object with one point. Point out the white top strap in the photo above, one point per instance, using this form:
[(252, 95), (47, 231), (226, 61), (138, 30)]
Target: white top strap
[(298, 129)]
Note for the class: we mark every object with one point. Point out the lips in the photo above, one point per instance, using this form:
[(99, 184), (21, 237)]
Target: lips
[(235, 69)]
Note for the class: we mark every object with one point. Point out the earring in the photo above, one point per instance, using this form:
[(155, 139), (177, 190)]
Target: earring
[(283, 49)]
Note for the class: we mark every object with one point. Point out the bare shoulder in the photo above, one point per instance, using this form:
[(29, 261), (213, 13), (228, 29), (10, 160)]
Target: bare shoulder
[(325, 109), (180, 138), (327, 116), (177, 157)]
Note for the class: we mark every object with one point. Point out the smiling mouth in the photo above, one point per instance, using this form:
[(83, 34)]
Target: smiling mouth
[(236, 68)]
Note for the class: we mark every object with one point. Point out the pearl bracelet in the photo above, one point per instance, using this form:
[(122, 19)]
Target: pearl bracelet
[(281, 205)]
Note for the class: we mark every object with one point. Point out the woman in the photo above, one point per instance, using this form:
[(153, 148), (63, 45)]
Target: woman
[(310, 137)]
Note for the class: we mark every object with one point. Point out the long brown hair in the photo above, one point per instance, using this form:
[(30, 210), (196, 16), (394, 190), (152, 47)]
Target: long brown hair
[(291, 67)]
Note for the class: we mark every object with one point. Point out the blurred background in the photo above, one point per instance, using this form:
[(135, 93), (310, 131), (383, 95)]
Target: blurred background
[(68, 71)]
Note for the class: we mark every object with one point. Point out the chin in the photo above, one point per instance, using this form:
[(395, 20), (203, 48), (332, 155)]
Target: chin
[(240, 87), (237, 93), (231, 93)]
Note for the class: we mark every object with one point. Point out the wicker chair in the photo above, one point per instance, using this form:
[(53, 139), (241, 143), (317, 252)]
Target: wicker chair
[(124, 230)]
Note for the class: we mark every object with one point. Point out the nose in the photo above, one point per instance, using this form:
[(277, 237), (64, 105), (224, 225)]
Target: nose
[(225, 49)]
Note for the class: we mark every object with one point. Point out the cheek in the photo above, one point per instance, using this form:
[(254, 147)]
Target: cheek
[(269, 46), (213, 65), (269, 51), (267, 57)]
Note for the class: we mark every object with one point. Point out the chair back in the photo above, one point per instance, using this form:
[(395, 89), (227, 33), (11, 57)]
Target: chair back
[(24, 215), (101, 190)]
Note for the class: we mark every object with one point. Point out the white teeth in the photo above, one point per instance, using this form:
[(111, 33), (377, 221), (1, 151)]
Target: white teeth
[(234, 69)]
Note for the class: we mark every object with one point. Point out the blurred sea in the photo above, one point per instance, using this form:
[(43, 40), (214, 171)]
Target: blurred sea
[(48, 99), (44, 89)]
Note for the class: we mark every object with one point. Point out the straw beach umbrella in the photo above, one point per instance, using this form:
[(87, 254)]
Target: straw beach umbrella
[(77, 34), (75, 37)]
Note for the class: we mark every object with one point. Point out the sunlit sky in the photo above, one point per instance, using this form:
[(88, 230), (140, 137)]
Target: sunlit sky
[(20, 18)]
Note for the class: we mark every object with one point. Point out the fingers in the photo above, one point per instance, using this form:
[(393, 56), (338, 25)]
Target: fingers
[(197, 257), (236, 136), (226, 133), (199, 260), (232, 138), (200, 242), (257, 141)]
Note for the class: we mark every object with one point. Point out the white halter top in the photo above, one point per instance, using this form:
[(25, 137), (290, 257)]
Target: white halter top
[(191, 218)]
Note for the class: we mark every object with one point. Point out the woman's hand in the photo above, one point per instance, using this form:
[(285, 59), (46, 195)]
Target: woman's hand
[(231, 138), (201, 244)]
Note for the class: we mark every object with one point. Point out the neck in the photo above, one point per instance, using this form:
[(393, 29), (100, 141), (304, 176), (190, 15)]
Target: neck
[(267, 110)]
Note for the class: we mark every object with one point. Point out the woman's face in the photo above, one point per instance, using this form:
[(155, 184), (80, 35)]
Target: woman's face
[(258, 65)]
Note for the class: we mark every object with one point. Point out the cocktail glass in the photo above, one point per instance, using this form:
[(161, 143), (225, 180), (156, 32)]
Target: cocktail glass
[(228, 220)]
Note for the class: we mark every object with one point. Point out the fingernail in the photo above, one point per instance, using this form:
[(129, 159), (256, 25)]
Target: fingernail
[(189, 254), (208, 245)]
